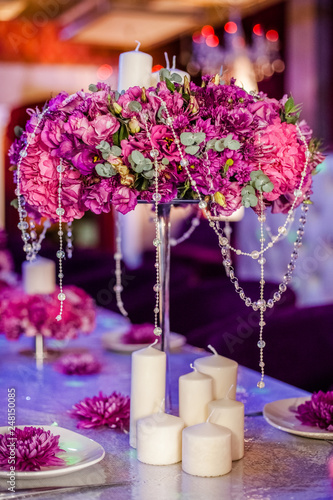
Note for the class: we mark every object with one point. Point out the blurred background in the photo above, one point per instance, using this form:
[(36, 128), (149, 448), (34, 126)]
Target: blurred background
[(276, 46)]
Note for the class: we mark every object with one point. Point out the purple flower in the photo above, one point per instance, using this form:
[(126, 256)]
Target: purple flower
[(140, 334), (318, 412), (125, 199), (97, 196), (163, 140), (113, 411), (34, 448), (78, 364)]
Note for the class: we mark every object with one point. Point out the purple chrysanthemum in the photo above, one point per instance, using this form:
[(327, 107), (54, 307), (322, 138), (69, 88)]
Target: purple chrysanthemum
[(113, 411), (78, 364), (140, 334), (31, 449), (318, 412)]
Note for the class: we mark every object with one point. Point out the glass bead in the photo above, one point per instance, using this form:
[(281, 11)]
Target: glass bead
[(277, 296), (261, 364), (261, 303), (193, 183), (304, 208), (282, 287), (236, 284), (158, 331), (23, 225), (227, 262), (60, 168), (157, 197), (255, 254), (59, 190), (60, 275), (60, 254), (184, 162), (242, 295), (300, 232), (60, 233), (69, 244), (261, 384), (224, 241), (33, 235), (117, 256), (224, 251), (118, 288), (156, 242), (291, 266), (24, 213), (261, 344), (202, 204), (254, 306), (169, 121), (60, 211), (156, 310), (27, 247), (248, 301), (195, 222), (287, 278), (211, 224), (157, 288), (23, 154), (58, 318), (25, 237), (297, 193), (262, 260), (262, 323), (238, 252), (61, 296), (262, 218), (282, 230), (262, 282), (270, 303), (154, 153), (232, 274)]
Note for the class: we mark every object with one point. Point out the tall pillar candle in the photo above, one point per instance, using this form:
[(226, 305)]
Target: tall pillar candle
[(206, 450), (195, 392), (223, 372), (38, 276), (148, 379), (159, 439), (134, 69), (230, 414)]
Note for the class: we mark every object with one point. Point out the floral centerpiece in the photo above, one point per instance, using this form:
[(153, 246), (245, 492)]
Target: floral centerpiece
[(213, 143)]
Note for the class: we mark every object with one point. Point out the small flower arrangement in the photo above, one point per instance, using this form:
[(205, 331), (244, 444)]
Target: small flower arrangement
[(140, 334), (318, 412), (238, 146), (78, 364), (112, 411), (34, 449), (36, 314)]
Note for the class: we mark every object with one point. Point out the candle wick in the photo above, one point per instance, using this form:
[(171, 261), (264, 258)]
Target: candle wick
[(212, 349), (154, 343), (209, 416), (174, 62), (138, 46), (221, 70), (193, 367), (167, 60)]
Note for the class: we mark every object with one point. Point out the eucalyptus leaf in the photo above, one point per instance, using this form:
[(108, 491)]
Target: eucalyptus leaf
[(210, 144), (187, 138), (105, 170), (199, 137), (192, 150), (254, 174), (164, 73), (116, 95), (18, 131), (137, 157), (253, 200), (93, 88), (175, 77), (268, 187), (135, 106), (246, 202), (138, 167), (116, 151), (147, 164), (14, 203), (123, 132), (148, 174), (104, 146), (165, 161), (219, 145)]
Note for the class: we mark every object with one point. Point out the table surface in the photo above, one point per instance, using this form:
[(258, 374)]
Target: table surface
[(276, 465)]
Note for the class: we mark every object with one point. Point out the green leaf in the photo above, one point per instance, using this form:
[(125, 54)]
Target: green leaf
[(123, 132), (14, 203), (253, 200), (147, 164), (165, 161), (116, 95), (254, 174), (290, 103), (199, 137), (187, 138), (247, 190), (105, 170), (192, 150), (116, 150), (210, 144), (219, 145), (268, 187), (93, 88), (18, 131), (115, 138), (148, 174), (137, 167), (137, 157), (164, 74), (230, 143), (141, 184), (170, 85), (135, 106), (176, 78)]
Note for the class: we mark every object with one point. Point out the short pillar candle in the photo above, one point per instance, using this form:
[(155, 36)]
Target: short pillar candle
[(195, 392), (230, 414), (223, 372), (206, 450), (38, 276), (159, 439), (148, 378), (134, 69)]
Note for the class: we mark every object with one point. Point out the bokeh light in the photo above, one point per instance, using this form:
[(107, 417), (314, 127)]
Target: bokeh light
[(257, 30), (272, 36), (207, 31), (230, 27), (104, 72), (212, 41), (157, 67), (197, 37)]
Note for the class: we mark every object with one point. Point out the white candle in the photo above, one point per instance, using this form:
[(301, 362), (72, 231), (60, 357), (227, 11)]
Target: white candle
[(155, 77), (206, 450), (195, 392), (134, 69), (230, 414), (223, 372), (147, 385), (159, 439), (38, 276)]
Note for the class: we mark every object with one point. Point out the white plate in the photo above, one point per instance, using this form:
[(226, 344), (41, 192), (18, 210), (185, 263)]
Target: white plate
[(80, 451), (280, 414), (114, 342)]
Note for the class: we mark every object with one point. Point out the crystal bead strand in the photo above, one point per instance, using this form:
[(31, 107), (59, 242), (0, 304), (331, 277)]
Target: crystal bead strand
[(69, 240), (261, 303), (60, 211), (118, 288), (195, 222)]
